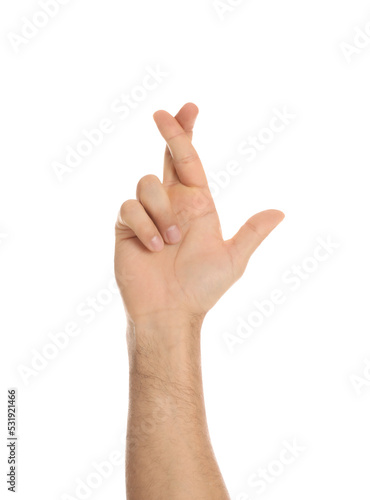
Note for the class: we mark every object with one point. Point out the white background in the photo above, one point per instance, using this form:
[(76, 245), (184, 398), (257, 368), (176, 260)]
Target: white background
[(293, 378)]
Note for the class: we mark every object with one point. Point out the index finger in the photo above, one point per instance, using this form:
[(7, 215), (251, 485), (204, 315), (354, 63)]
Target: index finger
[(185, 158)]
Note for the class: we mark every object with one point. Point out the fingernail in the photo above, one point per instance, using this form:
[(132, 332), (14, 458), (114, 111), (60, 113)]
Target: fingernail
[(173, 234), (156, 243)]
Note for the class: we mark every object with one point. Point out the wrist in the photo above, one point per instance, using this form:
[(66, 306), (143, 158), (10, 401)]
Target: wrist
[(164, 345), (164, 324)]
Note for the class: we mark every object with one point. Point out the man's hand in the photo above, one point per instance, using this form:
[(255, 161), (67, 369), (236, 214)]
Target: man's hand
[(171, 259), (172, 265)]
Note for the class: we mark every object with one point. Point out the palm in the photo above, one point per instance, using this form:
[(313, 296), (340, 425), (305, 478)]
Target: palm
[(189, 276)]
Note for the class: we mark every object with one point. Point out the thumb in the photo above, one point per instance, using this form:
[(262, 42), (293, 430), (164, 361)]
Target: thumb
[(251, 235)]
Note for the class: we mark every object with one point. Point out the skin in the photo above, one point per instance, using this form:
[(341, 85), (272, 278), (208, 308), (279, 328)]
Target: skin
[(172, 266)]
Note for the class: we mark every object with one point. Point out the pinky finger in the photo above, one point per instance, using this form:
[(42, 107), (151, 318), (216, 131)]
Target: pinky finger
[(133, 220)]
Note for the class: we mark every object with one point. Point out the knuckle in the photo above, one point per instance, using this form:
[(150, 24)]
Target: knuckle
[(128, 207), (202, 200), (253, 229), (177, 135), (147, 182), (187, 159)]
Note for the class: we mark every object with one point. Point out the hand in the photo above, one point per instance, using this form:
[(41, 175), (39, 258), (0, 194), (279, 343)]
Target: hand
[(170, 258)]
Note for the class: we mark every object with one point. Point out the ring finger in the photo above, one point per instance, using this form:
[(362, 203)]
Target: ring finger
[(153, 196)]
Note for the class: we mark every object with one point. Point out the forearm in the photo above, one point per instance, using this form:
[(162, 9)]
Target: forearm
[(169, 454)]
